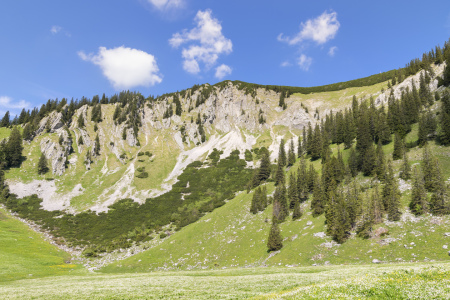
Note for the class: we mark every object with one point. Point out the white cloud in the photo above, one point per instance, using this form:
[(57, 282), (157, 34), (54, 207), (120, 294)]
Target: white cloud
[(55, 29), (332, 51), (321, 29), (286, 64), (167, 4), (125, 67), (58, 29), (304, 62), (222, 71), (7, 103), (206, 42)]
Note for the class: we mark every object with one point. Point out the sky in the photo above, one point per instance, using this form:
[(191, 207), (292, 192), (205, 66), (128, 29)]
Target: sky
[(54, 49)]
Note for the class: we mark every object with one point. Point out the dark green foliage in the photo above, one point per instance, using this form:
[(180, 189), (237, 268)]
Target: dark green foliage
[(5, 122), (96, 114), (427, 127), (380, 163), (292, 191), (318, 200), (178, 108), (80, 121), (248, 155), (13, 149), (391, 195), (439, 202), (337, 216), (97, 145), (42, 167), (353, 162), (280, 205), (398, 147), (419, 201), (127, 221), (446, 79), (275, 241), (282, 154), (430, 169), (291, 154), (259, 200), (80, 140), (405, 168), (444, 120), (215, 156), (28, 132)]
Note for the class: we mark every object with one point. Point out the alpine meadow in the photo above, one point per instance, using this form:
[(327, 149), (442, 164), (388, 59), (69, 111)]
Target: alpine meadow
[(228, 190)]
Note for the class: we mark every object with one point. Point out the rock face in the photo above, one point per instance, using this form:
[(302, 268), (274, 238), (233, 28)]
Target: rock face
[(53, 122), (56, 154)]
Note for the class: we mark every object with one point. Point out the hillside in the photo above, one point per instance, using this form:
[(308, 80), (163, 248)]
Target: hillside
[(140, 184)]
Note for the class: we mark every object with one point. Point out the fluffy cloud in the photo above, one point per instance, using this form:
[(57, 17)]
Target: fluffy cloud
[(286, 64), (7, 103), (205, 43), (332, 51), (320, 30), (167, 4), (125, 67), (304, 62), (222, 71)]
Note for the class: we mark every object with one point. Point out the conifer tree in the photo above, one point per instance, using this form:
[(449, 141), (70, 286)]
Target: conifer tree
[(80, 121), (353, 162), (275, 241), (263, 199), (254, 207), (299, 148), (5, 122), (282, 154), (97, 145), (430, 169), (297, 214), (264, 166), (316, 143), (376, 206), (42, 165), (14, 148), (279, 175), (368, 160), (405, 169), (291, 154), (380, 165), (292, 191), (398, 147), (419, 203), (391, 195), (338, 224), (444, 120), (439, 202), (302, 181)]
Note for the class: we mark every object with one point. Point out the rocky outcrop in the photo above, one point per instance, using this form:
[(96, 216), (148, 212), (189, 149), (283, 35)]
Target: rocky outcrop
[(52, 123)]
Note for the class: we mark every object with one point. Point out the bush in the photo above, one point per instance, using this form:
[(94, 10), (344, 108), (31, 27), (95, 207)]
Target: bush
[(142, 175), (163, 235)]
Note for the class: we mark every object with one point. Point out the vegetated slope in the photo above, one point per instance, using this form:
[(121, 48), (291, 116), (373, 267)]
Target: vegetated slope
[(231, 236), (25, 254)]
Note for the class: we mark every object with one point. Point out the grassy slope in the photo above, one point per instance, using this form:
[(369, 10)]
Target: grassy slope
[(391, 281), (25, 254), (230, 236)]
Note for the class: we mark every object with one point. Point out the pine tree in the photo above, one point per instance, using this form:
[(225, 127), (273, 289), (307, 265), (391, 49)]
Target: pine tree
[(5, 122), (380, 165), (353, 162), (430, 169), (291, 154), (292, 191), (419, 203), (264, 166), (368, 160), (405, 169), (42, 165), (398, 147), (317, 202), (444, 120), (80, 121), (275, 241), (97, 146), (282, 154), (14, 148), (391, 195), (263, 199), (439, 202), (338, 225), (254, 207), (316, 143), (299, 148)]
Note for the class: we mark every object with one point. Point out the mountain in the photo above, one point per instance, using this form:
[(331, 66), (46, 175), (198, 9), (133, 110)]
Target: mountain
[(170, 180)]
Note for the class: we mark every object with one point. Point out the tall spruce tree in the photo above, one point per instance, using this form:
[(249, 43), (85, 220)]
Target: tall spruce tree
[(282, 154), (5, 122), (254, 207), (444, 120), (391, 195), (275, 240), (419, 202), (398, 147), (14, 148), (430, 169), (405, 168), (380, 165), (291, 154), (439, 202), (42, 165)]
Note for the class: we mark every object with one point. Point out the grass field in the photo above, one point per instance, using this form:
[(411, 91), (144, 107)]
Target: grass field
[(25, 254), (390, 281)]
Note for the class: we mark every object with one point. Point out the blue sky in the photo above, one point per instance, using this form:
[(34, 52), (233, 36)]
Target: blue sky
[(55, 49)]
